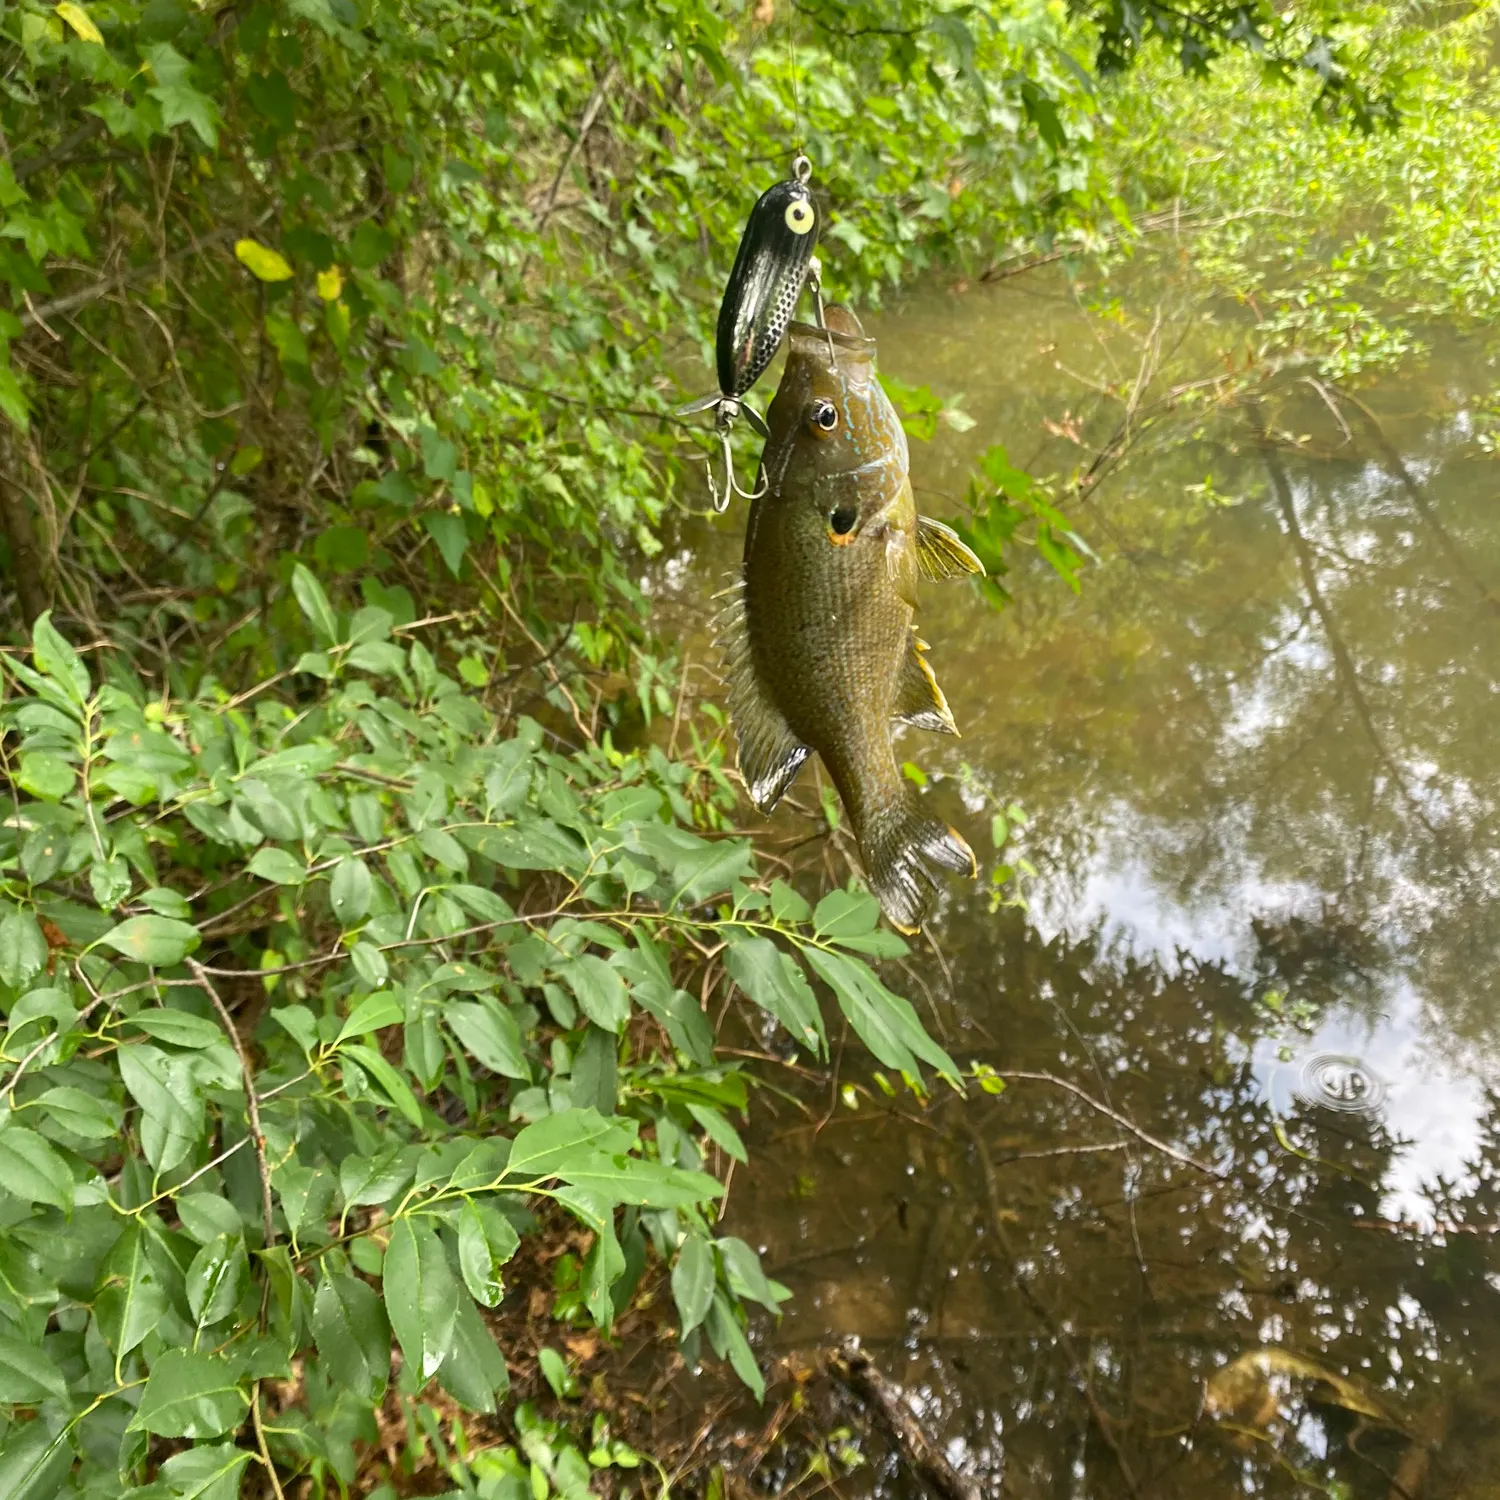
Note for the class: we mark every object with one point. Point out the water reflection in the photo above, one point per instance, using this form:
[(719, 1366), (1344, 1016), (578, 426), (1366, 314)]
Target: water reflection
[(1259, 752)]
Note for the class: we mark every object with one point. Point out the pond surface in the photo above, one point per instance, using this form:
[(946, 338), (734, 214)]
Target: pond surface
[(1236, 1234)]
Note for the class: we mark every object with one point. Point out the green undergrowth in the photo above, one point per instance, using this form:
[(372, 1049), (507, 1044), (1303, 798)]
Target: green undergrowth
[(317, 1008)]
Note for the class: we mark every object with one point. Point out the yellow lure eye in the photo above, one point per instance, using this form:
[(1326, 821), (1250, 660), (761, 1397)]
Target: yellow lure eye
[(799, 216)]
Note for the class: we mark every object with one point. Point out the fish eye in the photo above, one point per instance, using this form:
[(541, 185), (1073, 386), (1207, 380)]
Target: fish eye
[(843, 519), (824, 415), (799, 216)]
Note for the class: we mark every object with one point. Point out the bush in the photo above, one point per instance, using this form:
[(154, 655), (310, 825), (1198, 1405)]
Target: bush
[(314, 1006)]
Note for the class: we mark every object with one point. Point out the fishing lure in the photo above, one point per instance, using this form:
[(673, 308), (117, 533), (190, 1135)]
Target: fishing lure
[(775, 261)]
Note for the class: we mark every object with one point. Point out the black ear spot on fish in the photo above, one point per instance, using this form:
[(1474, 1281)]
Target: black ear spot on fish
[(841, 522), (822, 417)]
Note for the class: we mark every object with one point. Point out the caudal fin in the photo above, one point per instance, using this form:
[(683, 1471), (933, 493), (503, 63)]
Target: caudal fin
[(900, 851)]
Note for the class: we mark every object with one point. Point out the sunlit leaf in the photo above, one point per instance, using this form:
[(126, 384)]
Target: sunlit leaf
[(261, 261)]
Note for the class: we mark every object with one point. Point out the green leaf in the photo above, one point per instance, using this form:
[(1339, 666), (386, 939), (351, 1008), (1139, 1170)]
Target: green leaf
[(23, 949), (474, 1372), (277, 866), (13, 402), (486, 1241), (32, 1170), (181, 104), (647, 1184), (786, 904), (153, 940), (728, 1339), (595, 1080), (445, 849), (130, 1300), (600, 990), (216, 1277), (261, 261), (178, 1027), (205, 1216), (354, 1339), (205, 1473), (110, 882), (370, 964), (720, 1131), (490, 1033), (846, 914), (299, 1023), (54, 656), (464, 976), (49, 777), (711, 870), (33, 1463), (451, 536), (365, 1180), (571, 1134), (350, 890), (556, 1373), (191, 1395), (28, 1374), (743, 1273), (171, 1105), (397, 1090), (421, 1296), (372, 1013), (885, 1022), (315, 604), (482, 903), (776, 983), (87, 1115), (693, 1279)]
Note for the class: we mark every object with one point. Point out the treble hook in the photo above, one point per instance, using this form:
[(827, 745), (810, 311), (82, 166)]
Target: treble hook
[(729, 407)]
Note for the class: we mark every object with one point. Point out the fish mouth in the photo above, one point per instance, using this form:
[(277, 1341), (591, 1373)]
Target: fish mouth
[(808, 337)]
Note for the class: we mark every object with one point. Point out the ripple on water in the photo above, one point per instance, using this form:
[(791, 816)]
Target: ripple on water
[(1337, 1081)]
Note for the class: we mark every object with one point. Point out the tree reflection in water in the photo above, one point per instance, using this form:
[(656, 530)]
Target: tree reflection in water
[(1260, 753)]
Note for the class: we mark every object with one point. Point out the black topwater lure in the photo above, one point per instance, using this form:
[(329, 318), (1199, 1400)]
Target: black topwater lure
[(775, 261)]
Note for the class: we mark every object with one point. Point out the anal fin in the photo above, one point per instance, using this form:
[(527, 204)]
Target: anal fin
[(941, 553), (770, 755), (919, 699)]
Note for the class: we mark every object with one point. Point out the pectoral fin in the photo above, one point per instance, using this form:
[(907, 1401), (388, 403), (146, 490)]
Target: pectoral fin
[(919, 699), (770, 755), (940, 553)]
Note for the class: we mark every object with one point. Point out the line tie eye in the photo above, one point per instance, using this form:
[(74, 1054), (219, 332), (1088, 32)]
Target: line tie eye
[(799, 216), (824, 415), (843, 519)]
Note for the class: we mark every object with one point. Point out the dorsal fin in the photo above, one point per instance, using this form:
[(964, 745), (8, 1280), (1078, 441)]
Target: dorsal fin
[(770, 755), (940, 552), (919, 699)]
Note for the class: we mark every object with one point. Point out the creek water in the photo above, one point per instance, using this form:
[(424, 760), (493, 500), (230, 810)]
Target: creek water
[(1234, 1233)]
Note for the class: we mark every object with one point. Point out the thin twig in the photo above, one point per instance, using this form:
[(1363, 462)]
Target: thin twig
[(1123, 1121), (260, 1441), (257, 1135), (1060, 1337), (586, 124)]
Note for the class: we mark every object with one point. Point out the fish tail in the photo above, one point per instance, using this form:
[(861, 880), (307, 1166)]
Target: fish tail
[(900, 849)]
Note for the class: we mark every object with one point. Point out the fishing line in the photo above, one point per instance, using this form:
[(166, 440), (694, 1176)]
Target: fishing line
[(802, 171), (791, 46)]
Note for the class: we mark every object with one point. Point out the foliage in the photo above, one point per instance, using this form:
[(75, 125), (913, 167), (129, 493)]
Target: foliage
[(452, 954), (392, 293), (331, 983), (1343, 249)]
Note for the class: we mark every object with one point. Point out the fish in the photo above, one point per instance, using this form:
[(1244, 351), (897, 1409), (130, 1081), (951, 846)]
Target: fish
[(771, 267), (819, 648)]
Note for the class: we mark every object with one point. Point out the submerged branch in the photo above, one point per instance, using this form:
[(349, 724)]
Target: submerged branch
[(923, 1454)]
